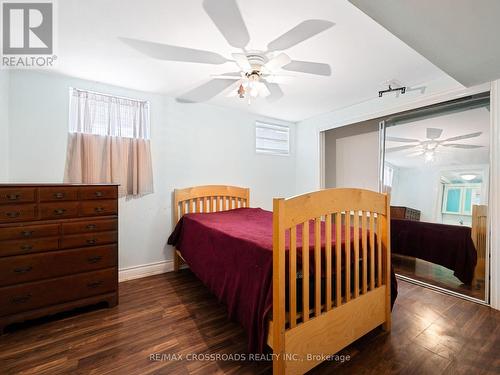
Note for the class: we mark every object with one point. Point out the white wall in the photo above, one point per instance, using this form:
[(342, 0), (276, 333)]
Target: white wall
[(357, 161), (192, 144), (4, 122), (417, 188)]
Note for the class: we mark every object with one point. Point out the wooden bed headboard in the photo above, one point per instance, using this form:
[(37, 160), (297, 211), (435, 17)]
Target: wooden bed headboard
[(209, 198)]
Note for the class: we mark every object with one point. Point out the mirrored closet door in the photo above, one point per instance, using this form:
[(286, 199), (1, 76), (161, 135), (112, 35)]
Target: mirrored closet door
[(435, 164)]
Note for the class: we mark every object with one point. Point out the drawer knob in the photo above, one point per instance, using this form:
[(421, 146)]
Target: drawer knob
[(59, 195), (59, 211), (99, 209), (21, 299), (27, 233), (26, 247), (92, 241), (13, 197), (23, 269), (94, 284), (13, 214), (99, 194), (91, 226), (94, 259)]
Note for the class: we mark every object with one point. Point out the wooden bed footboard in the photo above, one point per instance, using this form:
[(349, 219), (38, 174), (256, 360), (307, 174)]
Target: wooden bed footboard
[(329, 320), (207, 198)]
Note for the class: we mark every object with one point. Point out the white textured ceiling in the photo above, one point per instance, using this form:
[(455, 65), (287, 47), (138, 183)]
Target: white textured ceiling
[(459, 36), (456, 124), (362, 53)]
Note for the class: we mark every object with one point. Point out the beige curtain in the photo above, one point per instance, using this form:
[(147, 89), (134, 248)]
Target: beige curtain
[(104, 159), (109, 142)]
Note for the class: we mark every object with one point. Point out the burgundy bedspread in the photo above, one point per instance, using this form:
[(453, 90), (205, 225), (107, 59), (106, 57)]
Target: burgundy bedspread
[(450, 246), (231, 253)]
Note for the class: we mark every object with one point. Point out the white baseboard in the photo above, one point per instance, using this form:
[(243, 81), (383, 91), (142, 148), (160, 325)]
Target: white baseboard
[(144, 270)]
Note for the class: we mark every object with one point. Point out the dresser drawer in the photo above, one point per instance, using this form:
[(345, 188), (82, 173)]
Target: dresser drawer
[(54, 194), (90, 239), (99, 207), (29, 231), (98, 192), (24, 268), (17, 195), (21, 212), (97, 225), (19, 247), (29, 296), (57, 210)]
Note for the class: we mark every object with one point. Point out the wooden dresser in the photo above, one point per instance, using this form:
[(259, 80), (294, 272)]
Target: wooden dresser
[(400, 212), (58, 249)]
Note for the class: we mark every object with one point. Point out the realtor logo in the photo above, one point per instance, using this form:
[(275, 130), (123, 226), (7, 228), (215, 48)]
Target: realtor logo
[(27, 34)]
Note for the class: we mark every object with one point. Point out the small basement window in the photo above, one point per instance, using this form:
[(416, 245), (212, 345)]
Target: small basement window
[(272, 139)]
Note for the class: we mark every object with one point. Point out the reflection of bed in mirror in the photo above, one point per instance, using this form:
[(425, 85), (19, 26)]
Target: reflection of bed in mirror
[(459, 248)]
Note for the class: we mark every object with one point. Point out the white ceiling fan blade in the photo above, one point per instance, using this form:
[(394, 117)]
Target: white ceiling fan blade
[(456, 145), (433, 133), (275, 90), (263, 90), (242, 61), (206, 91), (279, 79), (226, 15), (299, 33), (403, 140), (320, 69), (277, 62), (174, 53), (400, 148), (228, 75), (465, 136)]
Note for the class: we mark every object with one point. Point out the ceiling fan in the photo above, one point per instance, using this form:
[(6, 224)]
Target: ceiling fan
[(258, 69), (429, 146)]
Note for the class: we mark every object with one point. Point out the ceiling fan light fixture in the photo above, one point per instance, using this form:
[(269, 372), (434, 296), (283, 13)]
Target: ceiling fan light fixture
[(429, 156), (431, 145), (468, 177)]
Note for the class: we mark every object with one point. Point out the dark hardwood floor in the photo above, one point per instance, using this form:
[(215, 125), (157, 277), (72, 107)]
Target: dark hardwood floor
[(175, 314), (435, 274)]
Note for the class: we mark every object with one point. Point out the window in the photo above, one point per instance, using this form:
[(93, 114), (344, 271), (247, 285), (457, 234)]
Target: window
[(109, 142), (459, 199), (272, 139), (102, 114)]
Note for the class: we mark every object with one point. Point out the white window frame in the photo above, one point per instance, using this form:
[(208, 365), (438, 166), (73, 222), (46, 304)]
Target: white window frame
[(462, 188), (276, 127)]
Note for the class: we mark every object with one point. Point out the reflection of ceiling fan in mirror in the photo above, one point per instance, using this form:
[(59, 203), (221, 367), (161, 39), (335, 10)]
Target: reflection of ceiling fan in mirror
[(432, 144), (259, 70)]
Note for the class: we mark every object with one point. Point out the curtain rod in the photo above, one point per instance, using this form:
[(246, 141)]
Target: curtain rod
[(110, 96)]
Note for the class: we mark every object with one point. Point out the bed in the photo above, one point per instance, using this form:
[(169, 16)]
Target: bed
[(313, 300), (451, 246)]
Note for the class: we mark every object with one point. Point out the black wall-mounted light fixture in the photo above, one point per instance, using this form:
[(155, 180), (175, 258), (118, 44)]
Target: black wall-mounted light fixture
[(390, 89)]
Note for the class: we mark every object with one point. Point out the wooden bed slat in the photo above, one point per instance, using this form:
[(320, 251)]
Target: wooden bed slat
[(305, 271), (317, 266), (328, 261)]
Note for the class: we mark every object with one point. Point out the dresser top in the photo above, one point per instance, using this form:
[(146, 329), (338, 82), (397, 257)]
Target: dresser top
[(49, 184)]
